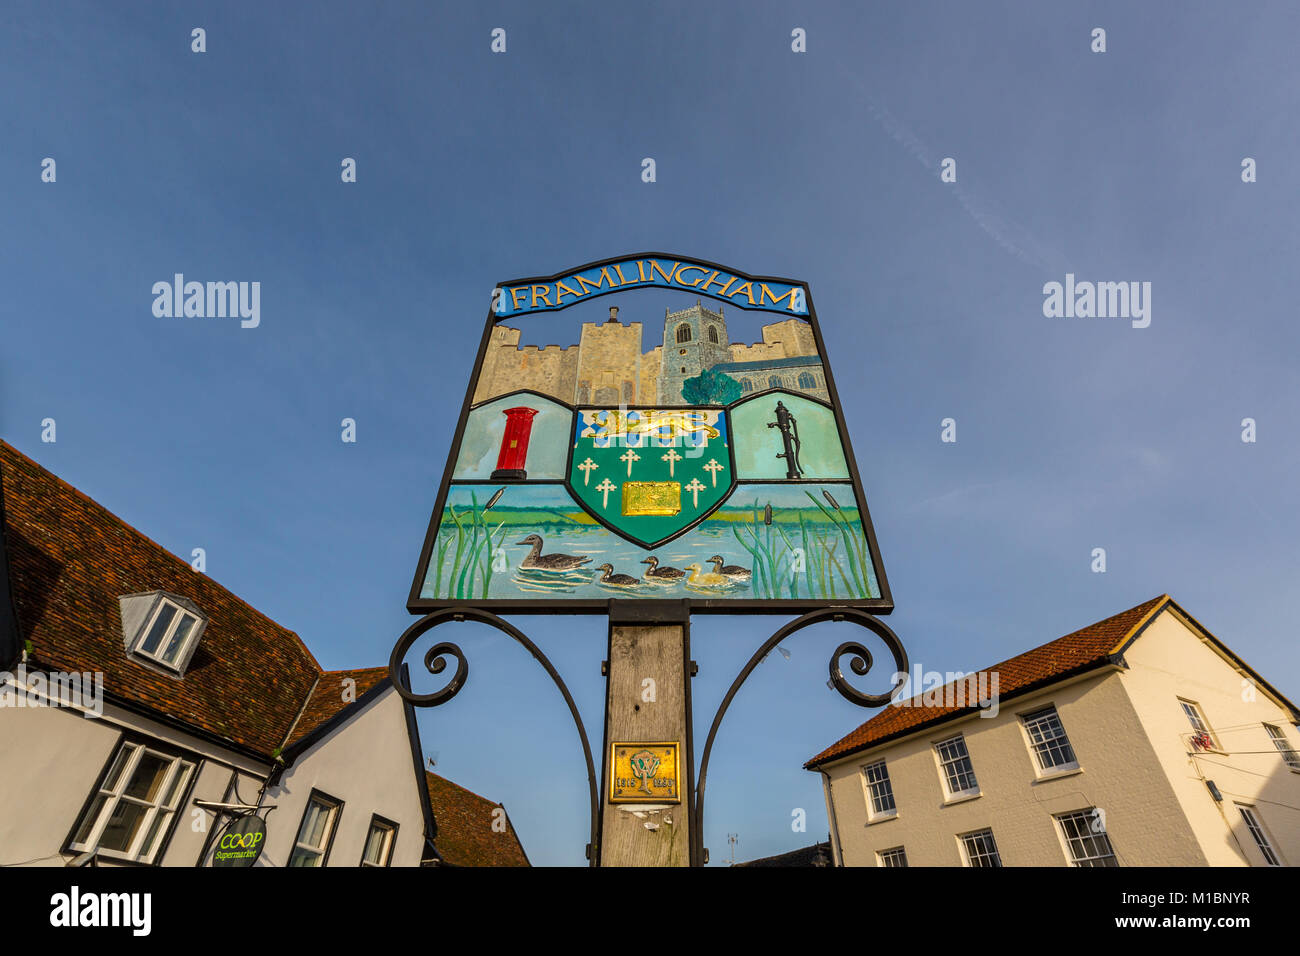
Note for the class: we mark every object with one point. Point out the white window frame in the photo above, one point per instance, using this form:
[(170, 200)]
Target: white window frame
[(974, 789), (320, 853), (389, 829), (179, 613), (1263, 843), (1283, 745), (1196, 717), (874, 813), (967, 859), (1081, 846), (112, 785), (1032, 723), (897, 853)]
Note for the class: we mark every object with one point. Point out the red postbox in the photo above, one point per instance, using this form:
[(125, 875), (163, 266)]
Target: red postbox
[(514, 444)]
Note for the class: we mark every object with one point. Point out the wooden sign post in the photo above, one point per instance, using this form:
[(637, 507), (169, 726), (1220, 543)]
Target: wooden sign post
[(649, 470), (648, 774)]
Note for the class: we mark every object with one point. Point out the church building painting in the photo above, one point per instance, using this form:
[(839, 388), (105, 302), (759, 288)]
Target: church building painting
[(609, 367)]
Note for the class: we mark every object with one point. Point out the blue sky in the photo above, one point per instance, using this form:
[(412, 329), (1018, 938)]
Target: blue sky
[(474, 168)]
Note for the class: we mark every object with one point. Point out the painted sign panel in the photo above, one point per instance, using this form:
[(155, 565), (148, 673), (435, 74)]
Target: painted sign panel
[(644, 773), (700, 456), (240, 843)]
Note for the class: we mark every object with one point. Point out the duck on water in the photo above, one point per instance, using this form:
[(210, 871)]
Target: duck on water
[(732, 572), (534, 560), (705, 579), (612, 580), (664, 575)]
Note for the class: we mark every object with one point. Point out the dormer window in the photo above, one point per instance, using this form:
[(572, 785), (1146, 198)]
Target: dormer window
[(161, 629), (167, 633)]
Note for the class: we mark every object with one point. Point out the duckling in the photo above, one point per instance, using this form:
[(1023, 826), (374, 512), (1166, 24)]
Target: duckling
[(610, 579), (664, 575), (705, 579), (548, 562), (732, 571)]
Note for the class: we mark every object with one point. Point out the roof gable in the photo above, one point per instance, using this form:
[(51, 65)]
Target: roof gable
[(1089, 647), (71, 561), (465, 836)]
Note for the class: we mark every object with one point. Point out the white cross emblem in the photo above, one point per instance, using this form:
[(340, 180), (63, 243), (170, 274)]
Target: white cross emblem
[(672, 458), (606, 486), (713, 467), (695, 488), (587, 467), (629, 456)]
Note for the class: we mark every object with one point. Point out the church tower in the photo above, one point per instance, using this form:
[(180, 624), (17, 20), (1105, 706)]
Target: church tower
[(694, 339)]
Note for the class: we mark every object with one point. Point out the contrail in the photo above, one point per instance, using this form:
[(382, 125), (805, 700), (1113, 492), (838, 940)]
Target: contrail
[(1012, 237)]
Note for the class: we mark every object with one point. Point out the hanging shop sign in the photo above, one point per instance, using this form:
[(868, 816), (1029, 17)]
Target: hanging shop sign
[(700, 455), (240, 843)]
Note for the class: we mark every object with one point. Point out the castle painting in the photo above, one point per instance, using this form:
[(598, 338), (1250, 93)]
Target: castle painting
[(693, 362), (651, 462)]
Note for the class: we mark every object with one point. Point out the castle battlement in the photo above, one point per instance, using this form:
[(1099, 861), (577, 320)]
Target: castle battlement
[(698, 307), (608, 366)]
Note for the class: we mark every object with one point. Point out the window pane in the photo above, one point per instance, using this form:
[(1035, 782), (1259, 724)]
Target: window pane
[(148, 777), (302, 857), (1261, 840), (376, 841), (151, 837), (177, 642), (175, 788), (110, 781), (122, 826), (163, 621), (316, 822), (90, 819)]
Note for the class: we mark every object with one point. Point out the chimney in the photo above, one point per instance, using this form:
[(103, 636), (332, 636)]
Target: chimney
[(613, 314)]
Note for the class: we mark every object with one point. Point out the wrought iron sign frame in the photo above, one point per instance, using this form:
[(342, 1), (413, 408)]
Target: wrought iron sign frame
[(435, 661), (677, 610)]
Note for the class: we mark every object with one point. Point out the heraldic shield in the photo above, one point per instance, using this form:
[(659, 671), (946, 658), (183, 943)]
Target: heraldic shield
[(648, 474)]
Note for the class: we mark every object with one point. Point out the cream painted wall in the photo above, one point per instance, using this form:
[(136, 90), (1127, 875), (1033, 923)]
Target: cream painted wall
[(367, 764), (51, 759), (1171, 661), (1118, 772), (1130, 736)]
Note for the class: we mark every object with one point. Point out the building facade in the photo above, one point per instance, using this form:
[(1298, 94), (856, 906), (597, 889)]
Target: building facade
[(143, 707), (610, 365), (1141, 740)]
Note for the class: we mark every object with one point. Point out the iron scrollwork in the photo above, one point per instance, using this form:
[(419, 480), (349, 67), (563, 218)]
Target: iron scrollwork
[(860, 665), (435, 661)]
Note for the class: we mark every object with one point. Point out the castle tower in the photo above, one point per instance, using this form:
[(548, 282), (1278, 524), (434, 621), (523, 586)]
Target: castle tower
[(609, 363), (694, 339)]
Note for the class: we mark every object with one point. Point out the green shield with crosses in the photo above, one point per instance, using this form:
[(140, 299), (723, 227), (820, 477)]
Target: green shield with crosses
[(650, 474)]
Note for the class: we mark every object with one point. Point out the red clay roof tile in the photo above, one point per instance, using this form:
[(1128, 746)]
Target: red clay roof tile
[(1088, 647), (70, 559), (464, 822)]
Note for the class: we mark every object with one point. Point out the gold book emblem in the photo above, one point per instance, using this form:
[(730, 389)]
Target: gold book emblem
[(652, 497)]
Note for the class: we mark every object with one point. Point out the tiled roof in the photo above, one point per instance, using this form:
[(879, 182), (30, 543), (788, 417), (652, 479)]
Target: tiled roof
[(327, 700), (70, 560), (819, 854), (464, 823), (1086, 648)]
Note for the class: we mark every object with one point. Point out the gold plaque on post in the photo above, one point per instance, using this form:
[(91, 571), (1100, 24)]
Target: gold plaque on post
[(644, 773), (652, 497)]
